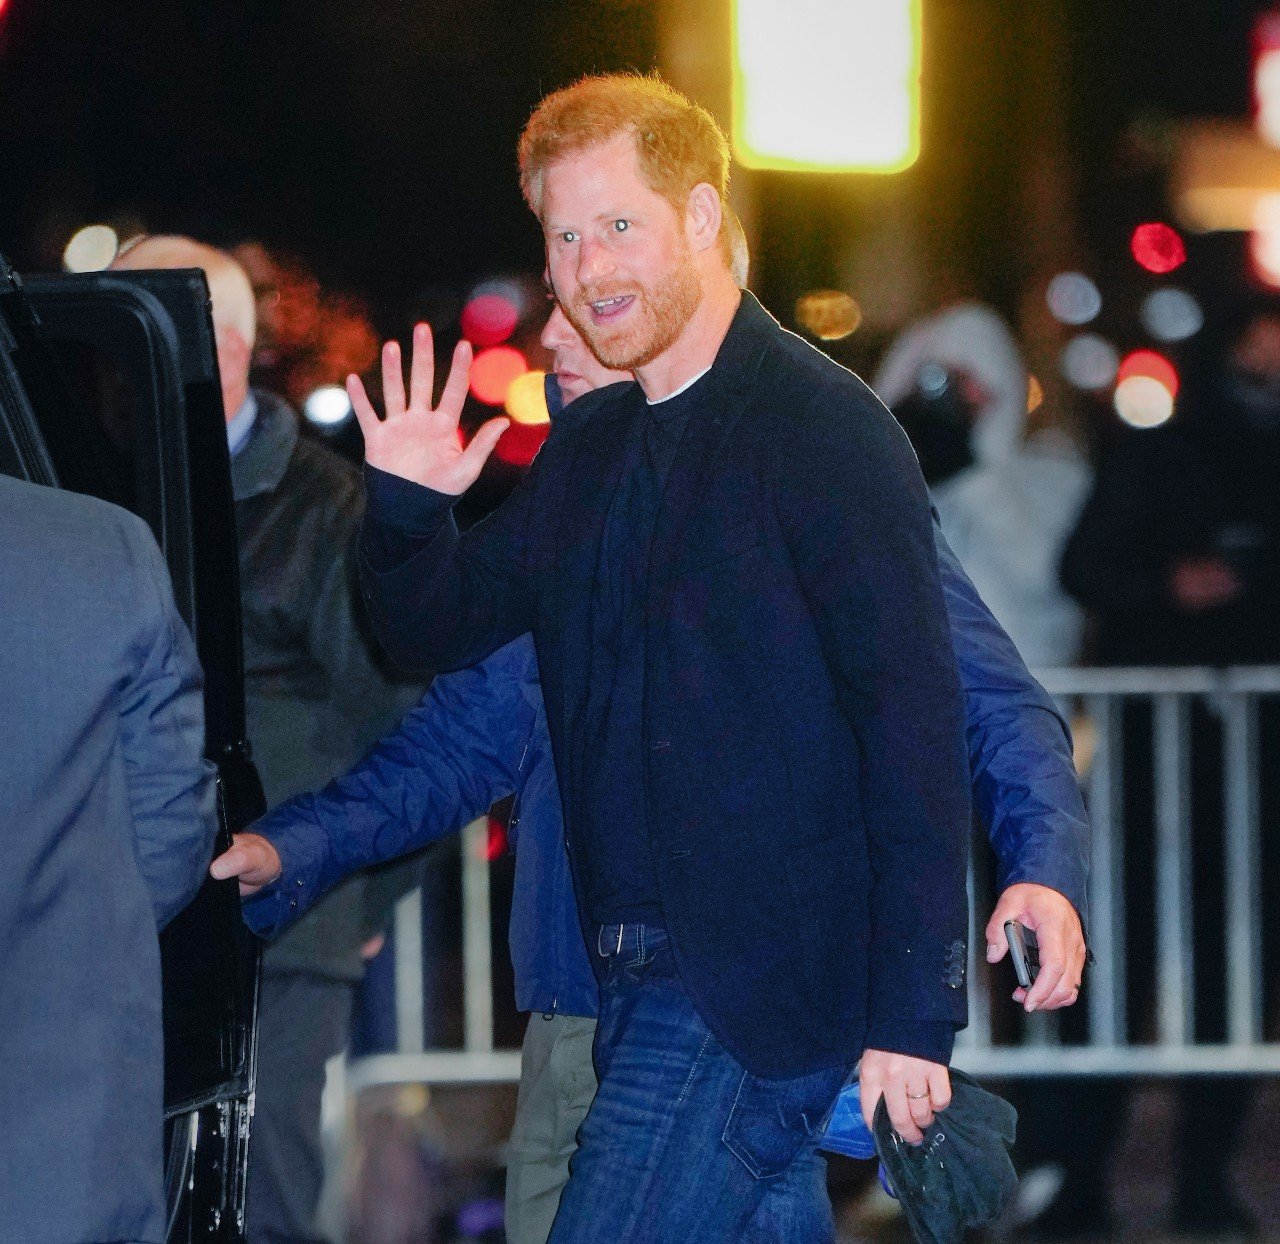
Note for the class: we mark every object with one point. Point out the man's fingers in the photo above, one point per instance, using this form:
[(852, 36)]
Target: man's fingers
[(895, 1100), (940, 1087), (392, 379), (231, 863), (482, 445), (455, 388), (1051, 974), (1064, 995), (251, 858), (869, 1098), (920, 1105), (366, 416), (997, 942), (422, 369)]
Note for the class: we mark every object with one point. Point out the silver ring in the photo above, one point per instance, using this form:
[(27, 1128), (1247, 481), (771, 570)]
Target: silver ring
[(917, 1096)]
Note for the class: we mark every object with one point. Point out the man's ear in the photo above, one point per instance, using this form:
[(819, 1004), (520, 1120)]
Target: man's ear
[(234, 352), (703, 217)]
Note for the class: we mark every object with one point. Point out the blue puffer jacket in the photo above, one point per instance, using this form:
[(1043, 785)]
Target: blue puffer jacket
[(481, 734)]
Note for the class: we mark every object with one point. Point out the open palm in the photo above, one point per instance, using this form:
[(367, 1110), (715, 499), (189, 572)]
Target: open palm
[(414, 440)]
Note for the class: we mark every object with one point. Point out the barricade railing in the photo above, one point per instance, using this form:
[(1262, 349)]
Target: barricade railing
[(1231, 701)]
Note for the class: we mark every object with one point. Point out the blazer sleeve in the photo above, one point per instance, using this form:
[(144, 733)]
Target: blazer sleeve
[(172, 788), (438, 600), (1024, 779), (856, 517), (450, 760)]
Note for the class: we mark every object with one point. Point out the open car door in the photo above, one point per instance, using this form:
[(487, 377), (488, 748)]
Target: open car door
[(109, 386)]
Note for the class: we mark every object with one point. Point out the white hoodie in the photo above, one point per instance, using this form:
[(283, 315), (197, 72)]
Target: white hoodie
[(1009, 515)]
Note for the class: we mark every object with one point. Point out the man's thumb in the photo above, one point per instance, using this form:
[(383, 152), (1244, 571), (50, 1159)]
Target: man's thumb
[(231, 863), (997, 942)]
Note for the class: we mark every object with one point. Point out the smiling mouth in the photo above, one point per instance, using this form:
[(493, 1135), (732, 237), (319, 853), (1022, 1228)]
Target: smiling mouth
[(605, 310)]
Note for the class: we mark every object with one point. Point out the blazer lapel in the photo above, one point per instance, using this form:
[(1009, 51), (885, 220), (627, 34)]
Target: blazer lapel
[(592, 480), (730, 383)]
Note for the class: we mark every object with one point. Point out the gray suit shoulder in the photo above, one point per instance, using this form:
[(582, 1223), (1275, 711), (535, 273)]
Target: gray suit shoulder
[(69, 529)]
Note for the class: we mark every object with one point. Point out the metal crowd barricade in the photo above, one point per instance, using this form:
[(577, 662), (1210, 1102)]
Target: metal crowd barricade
[(1233, 696)]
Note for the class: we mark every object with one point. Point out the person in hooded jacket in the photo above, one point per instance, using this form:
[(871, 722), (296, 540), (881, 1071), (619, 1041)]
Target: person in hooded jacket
[(1007, 502), (1177, 555)]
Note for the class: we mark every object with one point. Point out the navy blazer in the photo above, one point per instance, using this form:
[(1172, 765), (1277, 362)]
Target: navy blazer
[(806, 784), (109, 822), (480, 734)]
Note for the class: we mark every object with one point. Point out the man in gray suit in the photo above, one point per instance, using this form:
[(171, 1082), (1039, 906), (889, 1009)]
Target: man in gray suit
[(107, 814)]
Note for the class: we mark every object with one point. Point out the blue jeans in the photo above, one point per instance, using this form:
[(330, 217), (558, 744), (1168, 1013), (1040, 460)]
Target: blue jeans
[(681, 1143)]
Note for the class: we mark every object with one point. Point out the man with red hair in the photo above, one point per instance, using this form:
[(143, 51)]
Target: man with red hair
[(750, 688)]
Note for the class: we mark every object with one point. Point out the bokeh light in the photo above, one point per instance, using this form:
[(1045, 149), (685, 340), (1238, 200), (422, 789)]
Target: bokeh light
[(328, 407), (833, 87), (1158, 248), (1143, 402), (519, 444), (1266, 96), (829, 314), (91, 249), (1073, 298), (1151, 365), (1035, 394), (1089, 362), (1264, 241), (489, 319), (493, 372), (1171, 315), (527, 398)]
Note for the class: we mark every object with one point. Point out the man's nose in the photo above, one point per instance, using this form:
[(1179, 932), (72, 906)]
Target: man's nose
[(553, 334), (594, 261)]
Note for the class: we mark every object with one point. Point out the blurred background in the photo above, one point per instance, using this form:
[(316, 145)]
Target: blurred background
[(1048, 233)]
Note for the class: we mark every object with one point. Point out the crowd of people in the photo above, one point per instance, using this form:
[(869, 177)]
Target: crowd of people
[(747, 704)]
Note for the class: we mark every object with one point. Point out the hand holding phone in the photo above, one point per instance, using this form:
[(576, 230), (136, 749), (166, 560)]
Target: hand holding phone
[(1024, 952)]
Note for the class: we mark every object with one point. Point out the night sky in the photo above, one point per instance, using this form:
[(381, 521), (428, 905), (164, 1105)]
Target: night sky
[(376, 139)]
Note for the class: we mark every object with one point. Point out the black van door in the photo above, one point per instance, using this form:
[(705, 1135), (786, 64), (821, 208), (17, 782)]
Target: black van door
[(109, 386)]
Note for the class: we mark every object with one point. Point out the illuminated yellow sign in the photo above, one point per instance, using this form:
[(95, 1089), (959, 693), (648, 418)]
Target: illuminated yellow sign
[(827, 85)]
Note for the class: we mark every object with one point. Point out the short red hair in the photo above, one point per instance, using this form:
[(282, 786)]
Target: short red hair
[(678, 144)]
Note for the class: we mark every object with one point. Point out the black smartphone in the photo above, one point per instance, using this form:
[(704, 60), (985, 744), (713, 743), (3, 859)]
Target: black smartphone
[(1024, 951)]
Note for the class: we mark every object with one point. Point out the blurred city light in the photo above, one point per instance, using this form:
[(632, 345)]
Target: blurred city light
[(527, 398), (827, 85), (91, 249), (1035, 394), (328, 406), (1266, 78), (493, 372), (489, 319), (1151, 365), (1171, 315), (829, 314), (519, 444), (1158, 248), (1073, 298), (1143, 402), (1264, 241), (1089, 361)]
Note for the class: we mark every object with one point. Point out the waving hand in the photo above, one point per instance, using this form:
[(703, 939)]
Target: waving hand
[(415, 441)]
